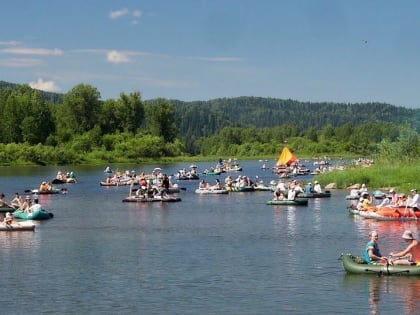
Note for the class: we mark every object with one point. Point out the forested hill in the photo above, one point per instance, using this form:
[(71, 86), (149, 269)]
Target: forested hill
[(46, 96), (203, 118)]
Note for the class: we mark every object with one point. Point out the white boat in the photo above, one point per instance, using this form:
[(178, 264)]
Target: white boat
[(17, 226), (210, 191)]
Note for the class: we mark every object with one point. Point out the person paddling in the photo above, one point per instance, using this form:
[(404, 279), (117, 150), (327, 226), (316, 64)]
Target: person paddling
[(410, 255)]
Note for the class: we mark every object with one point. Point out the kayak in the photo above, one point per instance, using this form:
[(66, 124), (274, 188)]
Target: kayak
[(63, 181), (36, 215), (153, 199), (355, 264), (17, 226), (211, 191), (297, 202), (325, 194)]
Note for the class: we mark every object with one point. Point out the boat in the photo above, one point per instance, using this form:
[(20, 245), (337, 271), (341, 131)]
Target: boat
[(357, 265), (297, 202), (63, 181), (212, 171), (204, 191), (51, 191), (5, 209), (192, 174), (36, 215), (239, 188), (151, 199), (17, 226), (325, 194), (118, 183)]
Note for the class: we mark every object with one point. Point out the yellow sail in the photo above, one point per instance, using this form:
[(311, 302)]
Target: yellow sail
[(286, 157)]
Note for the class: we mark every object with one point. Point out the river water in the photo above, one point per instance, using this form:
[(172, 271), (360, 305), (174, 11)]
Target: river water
[(213, 254)]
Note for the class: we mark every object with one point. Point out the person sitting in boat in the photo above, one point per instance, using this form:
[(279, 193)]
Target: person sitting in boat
[(8, 218), (410, 255), (44, 186), (291, 194), (367, 201), (298, 189), (278, 194), (151, 190), (34, 207), (228, 181), (17, 201), (372, 253), (308, 188), (363, 190), (359, 205), (402, 199), (26, 204), (414, 202), (2, 202), (202, 184), (394, 197), (386, 201), (317, 187), (218, 185)]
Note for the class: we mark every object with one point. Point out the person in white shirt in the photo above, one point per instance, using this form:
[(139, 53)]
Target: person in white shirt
[(415, 200), (35, 206), (317, 187)]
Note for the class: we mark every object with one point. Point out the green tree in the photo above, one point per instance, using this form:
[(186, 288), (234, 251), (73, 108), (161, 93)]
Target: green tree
[(161, 119)]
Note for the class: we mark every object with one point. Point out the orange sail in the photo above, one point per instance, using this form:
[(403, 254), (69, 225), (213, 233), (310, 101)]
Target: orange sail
[(286, 157)]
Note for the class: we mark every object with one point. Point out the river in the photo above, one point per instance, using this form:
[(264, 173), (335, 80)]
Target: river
[(211, 254)]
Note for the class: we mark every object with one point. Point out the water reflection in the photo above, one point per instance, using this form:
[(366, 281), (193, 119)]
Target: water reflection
[(387, 294)]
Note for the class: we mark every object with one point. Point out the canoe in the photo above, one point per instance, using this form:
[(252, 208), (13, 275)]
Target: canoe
[(211, 191), (36, 215), (355, 264), (154, 199), (17, 226), (325, 194), (297, 202)]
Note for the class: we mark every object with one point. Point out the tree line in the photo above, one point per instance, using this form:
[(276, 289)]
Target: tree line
[(78, 127)]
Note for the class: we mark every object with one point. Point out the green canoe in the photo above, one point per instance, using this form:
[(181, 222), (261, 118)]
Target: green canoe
[(297, 202), (357, 265)]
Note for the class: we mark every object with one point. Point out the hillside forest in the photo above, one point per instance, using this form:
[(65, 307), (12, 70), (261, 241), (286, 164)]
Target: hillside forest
[(79, 127)]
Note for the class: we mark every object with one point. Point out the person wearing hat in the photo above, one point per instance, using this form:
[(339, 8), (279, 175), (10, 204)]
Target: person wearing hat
[(372, 253), (410, 255), (317, 187), (27, 203), (308, 188), (394, 197)]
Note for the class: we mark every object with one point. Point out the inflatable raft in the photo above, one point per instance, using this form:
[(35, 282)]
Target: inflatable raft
[(36, 215), (153, 199), (326, 194), (17, 226), (296, 202), (355, 264), (211, 191)]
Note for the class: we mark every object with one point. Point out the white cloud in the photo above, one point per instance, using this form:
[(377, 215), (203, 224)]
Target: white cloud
[(33, 51), (137, 13), (49, 86), (19, 62), (118, 13), (117, 57)]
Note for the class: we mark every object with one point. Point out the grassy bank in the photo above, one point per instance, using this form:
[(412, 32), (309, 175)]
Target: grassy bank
[(401, 177)]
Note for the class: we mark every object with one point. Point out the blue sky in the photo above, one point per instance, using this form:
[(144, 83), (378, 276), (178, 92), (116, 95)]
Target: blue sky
[(307, 50)]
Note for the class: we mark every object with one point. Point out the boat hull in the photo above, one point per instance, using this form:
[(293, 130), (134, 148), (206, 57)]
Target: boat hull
[(211, 191), (326, 194), (17, 226), (36, 215), (147, 199), (296, 202), (355, 265)]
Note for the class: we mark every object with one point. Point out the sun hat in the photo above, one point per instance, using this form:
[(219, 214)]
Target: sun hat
[(391, 190), (373, 233), (408, 235), (413, 190)]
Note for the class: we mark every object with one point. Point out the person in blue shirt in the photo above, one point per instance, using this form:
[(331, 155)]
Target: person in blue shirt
[(308, 188), (372, 253)]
